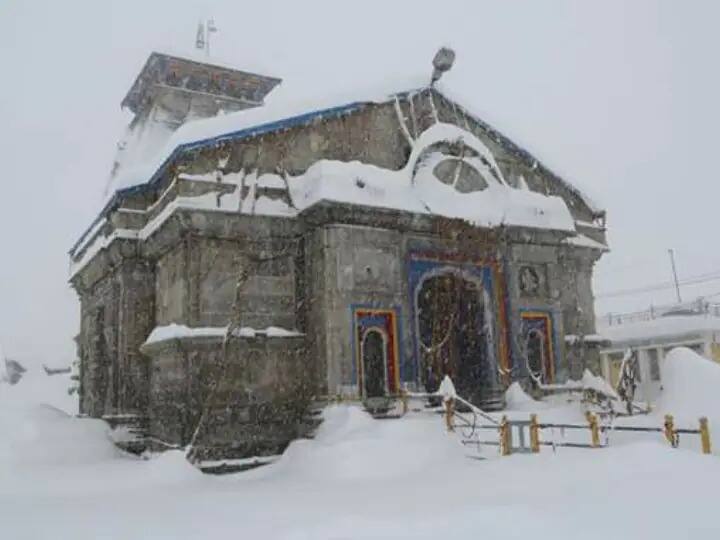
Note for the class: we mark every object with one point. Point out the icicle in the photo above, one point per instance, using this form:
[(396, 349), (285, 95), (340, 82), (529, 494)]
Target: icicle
[(413, 116), (434, 109), (403, 125), (247, 205), (223, 161), (459, 116), (522, 183)]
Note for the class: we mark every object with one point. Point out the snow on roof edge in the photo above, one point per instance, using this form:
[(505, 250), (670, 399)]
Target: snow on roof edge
[(291, 121), (208, 141), (584, 197)]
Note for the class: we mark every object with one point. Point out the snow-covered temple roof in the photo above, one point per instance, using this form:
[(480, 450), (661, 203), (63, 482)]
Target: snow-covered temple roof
[(284, 110)]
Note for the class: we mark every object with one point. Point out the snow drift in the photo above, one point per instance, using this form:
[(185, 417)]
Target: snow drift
[(691, 388), (39, 428)]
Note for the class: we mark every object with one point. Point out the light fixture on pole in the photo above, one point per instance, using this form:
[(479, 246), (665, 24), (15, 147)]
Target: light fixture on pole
[(442, 62)]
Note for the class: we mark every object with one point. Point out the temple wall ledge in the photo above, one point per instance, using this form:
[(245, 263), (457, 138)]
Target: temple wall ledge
[(180, 332)]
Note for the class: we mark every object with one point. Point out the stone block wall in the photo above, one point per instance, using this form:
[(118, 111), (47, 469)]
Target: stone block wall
[(250, 402), (363, 267), (117, 314)]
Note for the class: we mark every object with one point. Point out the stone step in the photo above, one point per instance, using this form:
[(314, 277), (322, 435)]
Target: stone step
[(128, 431)]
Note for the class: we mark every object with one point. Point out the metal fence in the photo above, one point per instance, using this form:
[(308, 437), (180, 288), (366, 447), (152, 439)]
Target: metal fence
[(527, 436), (696, 307)]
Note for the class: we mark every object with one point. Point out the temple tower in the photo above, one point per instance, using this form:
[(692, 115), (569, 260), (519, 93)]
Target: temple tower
[(170, 91)]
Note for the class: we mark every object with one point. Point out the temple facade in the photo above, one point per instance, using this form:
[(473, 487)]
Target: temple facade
[(255, 264)]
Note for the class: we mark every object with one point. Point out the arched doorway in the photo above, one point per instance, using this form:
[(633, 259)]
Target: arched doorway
[(373, 352), (536, 355), (453, 334), (537, 347)]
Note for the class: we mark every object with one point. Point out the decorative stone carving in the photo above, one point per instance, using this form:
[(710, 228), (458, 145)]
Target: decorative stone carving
[(530, 281)]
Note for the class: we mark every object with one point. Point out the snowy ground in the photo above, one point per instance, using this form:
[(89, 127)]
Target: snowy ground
[(359, 478)]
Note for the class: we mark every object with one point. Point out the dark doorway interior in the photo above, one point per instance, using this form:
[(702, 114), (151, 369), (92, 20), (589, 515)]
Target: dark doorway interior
[(373, 357), (451, 319), (535, 354), (538, 348)]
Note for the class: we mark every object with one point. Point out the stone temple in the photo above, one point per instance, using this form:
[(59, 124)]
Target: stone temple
[(256, 258)]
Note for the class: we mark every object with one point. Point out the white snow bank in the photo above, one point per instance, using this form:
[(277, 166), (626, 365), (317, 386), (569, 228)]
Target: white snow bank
[(37, 427), (691, 388), (351, 446), (360, 478), (517, 400), (38, 388), (598, 384)]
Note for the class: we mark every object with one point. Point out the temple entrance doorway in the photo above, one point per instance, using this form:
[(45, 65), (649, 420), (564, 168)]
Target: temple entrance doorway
[(374, 362), (453, 334)]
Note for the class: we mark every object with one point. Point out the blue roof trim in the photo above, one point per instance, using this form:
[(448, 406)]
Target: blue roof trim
[(253, 131)]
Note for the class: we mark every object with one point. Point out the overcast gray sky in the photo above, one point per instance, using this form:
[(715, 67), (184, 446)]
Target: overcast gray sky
[(618, 96)]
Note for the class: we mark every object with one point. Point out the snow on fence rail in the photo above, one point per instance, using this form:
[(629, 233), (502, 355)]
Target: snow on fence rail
[(527, 433)]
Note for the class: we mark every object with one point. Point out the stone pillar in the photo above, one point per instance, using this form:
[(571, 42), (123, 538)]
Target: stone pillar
[(95, 347), (136, 319)]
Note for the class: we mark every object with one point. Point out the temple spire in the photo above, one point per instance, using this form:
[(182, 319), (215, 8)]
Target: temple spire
[(202, 37)]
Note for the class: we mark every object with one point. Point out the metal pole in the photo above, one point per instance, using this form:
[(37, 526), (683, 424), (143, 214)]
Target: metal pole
[(207, 39), (705, 436), (209, 29), (677, 285), (534, 434)]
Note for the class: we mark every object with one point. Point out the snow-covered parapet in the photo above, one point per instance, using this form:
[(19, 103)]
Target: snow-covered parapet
[(595, 340), (270, 331), (414, 189), (582, 240), (181, 331)]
